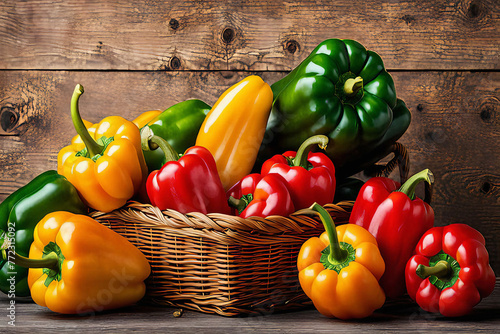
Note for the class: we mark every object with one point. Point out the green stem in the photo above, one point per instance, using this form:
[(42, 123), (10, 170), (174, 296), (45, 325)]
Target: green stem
[(93, 148), (337, 254), (304, 149), (4, 240), (353, 85), (410, 185), (51, 261), (4, 244), (442, 269), (151, 142)]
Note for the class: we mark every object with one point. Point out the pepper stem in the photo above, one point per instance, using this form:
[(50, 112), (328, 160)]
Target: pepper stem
[(4, 240), (4, 244), (353, 85), (410, 185), (337, 254), (240, 204), (306, 147), (50, 261), (441, 269), (151, 142), (93, 148)]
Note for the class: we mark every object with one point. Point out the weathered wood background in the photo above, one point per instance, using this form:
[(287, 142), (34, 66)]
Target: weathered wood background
[(139, 55)]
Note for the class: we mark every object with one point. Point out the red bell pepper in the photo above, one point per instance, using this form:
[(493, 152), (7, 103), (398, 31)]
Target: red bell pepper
[(310, 176), (450, 272), (262, 196), (187, 184), (397, 220)]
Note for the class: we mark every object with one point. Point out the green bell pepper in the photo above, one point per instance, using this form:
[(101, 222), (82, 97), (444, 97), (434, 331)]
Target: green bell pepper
[(347, 189), (19, 214), (343, 91), (178, 125)]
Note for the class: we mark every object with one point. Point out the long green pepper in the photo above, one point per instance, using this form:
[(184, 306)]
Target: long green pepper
[(178, 125), (21, 211)]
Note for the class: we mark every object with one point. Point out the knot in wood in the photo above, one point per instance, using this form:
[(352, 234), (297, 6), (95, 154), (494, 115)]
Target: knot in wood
[(291, 46), (487, 110), (486, 114), (175, 63), (408, 18), (486, 187), (174, 24), (474, 9), (8, 118), (228, 35)]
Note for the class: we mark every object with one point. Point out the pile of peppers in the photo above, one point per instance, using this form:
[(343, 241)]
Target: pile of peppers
[(261, 150)]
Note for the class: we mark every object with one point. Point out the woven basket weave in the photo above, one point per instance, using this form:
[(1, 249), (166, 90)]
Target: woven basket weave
[(218, 263), (224, 264)]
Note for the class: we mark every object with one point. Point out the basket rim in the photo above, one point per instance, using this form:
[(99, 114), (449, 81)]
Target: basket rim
[(148, 215)]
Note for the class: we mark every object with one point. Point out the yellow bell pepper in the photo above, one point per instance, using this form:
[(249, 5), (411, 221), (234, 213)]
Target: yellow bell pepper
[(234, 128), (340, 270), (105, 164), (78, 265), (140, 121)]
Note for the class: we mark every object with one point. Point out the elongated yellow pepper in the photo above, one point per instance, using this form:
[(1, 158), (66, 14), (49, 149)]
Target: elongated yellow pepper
[(234, 128), (145, 117)]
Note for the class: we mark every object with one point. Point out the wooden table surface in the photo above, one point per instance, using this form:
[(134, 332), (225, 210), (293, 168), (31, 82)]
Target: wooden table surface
[(394, 317), (134, 56)]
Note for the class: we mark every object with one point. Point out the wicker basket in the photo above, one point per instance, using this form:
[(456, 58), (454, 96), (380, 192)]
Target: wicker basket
[(218, 263), (225, 264)]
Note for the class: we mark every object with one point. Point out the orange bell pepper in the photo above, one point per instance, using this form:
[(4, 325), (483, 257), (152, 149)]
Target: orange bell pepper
[(106, 164), (339, 271), (78, 265), (234, 128)]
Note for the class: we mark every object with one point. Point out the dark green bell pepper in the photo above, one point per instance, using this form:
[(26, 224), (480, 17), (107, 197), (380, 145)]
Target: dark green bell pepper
[(343, 91), (347, 189), (19, 214), (178, 125)]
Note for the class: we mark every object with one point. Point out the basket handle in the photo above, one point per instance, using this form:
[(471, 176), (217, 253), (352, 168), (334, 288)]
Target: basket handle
[(400, 159), (428, 192)]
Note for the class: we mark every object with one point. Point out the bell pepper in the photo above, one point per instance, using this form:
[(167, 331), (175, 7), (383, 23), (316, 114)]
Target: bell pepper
[(261, 196), (186, 184), (397, 219), (450, 271), (347, 189), (343, 91), (310, 176), (21, 211), (233, 129), (110, 169), (179, 125), (78, 265), (339, 271)]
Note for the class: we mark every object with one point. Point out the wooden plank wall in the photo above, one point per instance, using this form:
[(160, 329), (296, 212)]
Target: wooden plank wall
[(136, 56)]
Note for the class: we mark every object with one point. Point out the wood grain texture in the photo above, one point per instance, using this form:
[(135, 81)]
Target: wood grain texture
[(402, 316), (454, 130), (243, 35), (134, 56)]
